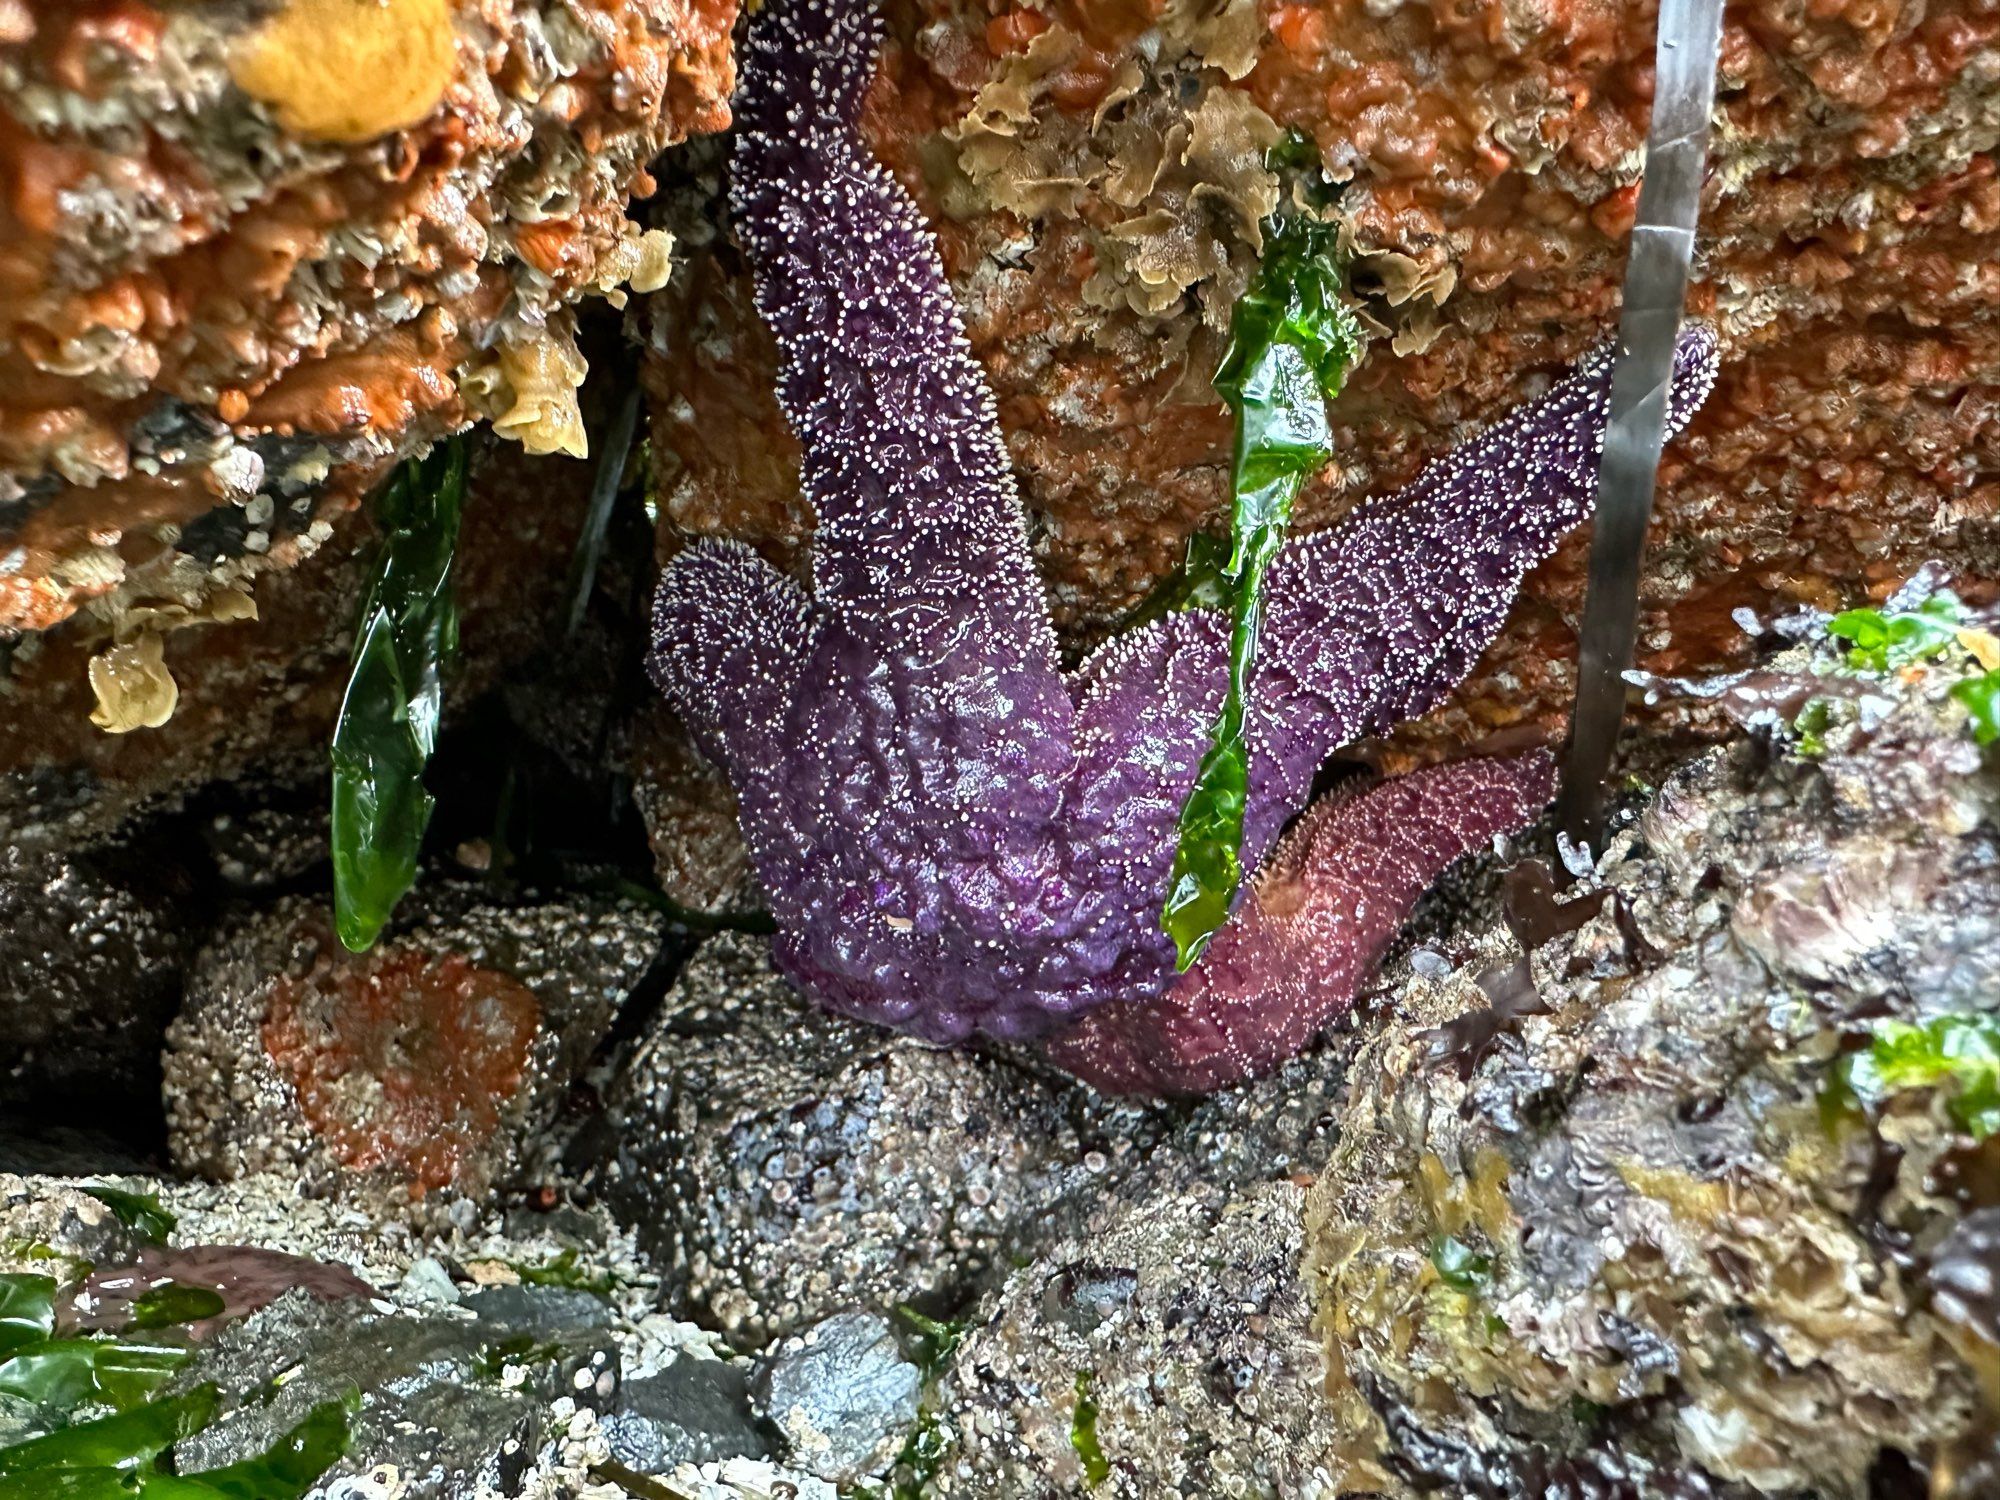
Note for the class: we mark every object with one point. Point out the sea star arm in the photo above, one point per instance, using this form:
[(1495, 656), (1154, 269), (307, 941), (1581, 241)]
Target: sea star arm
[(901, 451), (1330, 899), (906, 786), (1427, 575), (1368, 623), (729, 632)]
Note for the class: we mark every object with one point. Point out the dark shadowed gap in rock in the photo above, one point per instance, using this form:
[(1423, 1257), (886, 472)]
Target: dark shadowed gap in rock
[(93, 945), (1896, 1476), (531, 795)]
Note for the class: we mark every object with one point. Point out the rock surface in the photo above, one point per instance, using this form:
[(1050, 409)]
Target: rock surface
[(696, 1411), (424, 1066), (258, 698), (92, 952), (1625, 1195), (234, 287), (841, 1393), (523, 1370), (789, 1164), (1171, 1354)]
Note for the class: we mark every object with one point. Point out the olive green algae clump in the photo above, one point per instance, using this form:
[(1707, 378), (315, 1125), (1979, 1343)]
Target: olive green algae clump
[(1694, 1186)]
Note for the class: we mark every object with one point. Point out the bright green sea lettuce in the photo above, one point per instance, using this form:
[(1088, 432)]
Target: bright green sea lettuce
[(1882, 640), (1291, 345), (1958, 1054)]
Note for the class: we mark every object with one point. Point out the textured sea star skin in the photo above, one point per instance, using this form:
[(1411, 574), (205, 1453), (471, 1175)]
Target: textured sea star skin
[(1330, 898), (954, 837)]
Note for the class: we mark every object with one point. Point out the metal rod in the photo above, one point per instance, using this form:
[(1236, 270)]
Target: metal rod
[(1656, 279)]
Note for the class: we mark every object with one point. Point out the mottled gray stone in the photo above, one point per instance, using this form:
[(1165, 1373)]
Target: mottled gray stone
[(694, 1411), (841, 1393), (434, 1403), (787, 1164)]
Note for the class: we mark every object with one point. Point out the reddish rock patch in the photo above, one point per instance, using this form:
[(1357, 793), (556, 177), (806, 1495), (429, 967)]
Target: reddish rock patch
[(400, 1060)]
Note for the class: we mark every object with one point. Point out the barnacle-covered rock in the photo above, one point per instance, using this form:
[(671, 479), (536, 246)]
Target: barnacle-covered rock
[(1169, 1354), (1486, 162), (416, 1071), (689, 811), (1650, 1186), (47, 1226), (255, 252), (788, 1164), (92, 953)]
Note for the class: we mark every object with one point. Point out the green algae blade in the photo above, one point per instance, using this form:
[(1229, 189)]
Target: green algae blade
[(1980, 697), (1083, 1435), (123, 1456), (171, 1305), (388, 723), (1291, 344), (290, 1468), (110, 1447), (63, 1374), (27, 1310), (139, 1212)]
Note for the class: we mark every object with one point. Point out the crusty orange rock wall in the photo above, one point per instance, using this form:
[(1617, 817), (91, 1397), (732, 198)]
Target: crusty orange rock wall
[(252, 251), (1096, 172)]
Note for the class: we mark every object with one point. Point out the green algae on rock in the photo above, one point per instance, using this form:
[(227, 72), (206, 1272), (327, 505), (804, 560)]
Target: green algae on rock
[(1957, 1056)]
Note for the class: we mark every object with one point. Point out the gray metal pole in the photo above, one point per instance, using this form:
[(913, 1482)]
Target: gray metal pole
[(1656, 279)]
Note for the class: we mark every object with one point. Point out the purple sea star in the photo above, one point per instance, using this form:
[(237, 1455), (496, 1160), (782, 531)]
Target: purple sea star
[(954, 836)]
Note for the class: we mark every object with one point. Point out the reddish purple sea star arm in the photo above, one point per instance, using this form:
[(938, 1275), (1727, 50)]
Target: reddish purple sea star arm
[(1330, 899)]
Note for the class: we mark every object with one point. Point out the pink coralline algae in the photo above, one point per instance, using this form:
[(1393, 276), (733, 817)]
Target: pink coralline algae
[(957, 837)]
